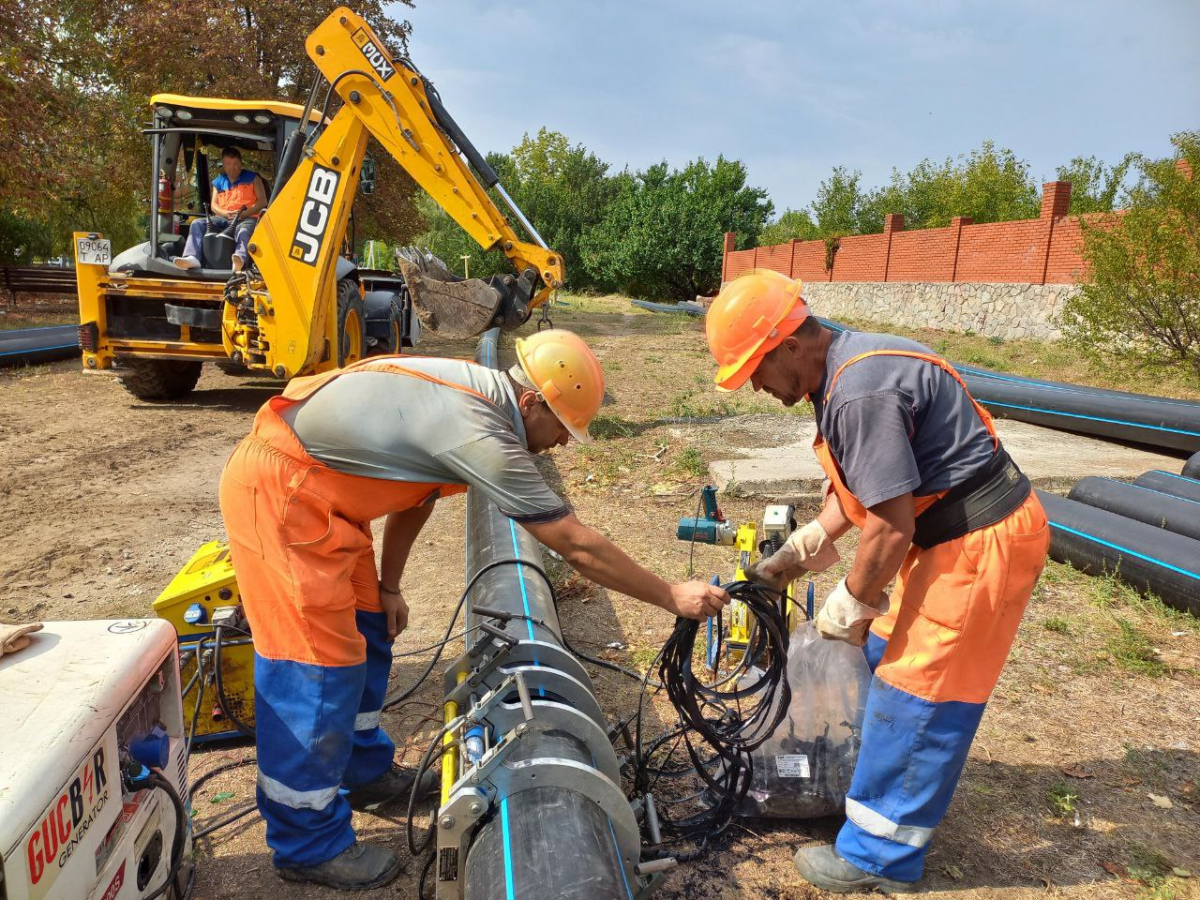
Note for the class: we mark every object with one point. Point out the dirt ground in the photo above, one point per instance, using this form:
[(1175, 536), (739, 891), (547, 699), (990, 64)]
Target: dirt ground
[(1085, 777)]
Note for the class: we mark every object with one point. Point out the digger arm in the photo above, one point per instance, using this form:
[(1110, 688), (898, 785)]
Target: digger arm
[(296, 242)]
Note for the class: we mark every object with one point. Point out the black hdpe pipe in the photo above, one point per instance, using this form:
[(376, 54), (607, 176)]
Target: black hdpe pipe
[(1191, 468), (1140, 503), (27, 346), (1138, 418), (547, 841), (1168, 483), (1147, 558)]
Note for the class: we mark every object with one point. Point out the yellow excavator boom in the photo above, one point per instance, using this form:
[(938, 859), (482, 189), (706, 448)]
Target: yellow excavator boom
[(287, 323)]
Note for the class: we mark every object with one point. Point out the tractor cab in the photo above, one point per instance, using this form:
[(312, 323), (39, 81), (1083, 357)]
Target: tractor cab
[(187, 135)]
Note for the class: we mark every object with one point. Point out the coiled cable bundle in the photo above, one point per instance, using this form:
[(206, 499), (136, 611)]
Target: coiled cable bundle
[(724, 720)]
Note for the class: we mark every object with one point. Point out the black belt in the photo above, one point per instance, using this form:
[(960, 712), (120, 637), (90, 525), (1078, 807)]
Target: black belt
[(991, 494)]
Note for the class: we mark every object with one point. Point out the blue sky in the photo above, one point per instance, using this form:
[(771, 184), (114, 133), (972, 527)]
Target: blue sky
[(794, 88)]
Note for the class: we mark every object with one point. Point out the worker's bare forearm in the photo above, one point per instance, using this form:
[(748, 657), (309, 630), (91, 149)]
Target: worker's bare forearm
[(399, 534), (598, 559), (886, 539), (833, 518)]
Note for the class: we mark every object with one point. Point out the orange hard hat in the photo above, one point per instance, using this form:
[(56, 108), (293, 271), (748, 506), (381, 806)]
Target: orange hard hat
[(566, 374), (751, 316)]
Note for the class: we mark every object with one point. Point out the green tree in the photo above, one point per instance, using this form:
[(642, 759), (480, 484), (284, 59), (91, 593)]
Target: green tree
[(793, 225), (1094, 185), (661, 236), (1141, 304), (838, 202), (75, 78)]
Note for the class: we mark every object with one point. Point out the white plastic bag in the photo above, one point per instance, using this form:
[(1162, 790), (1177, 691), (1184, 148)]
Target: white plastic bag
[(803, 770)]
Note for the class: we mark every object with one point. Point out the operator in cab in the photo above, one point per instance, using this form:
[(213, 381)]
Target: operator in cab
[(387, 436), (239, 197)]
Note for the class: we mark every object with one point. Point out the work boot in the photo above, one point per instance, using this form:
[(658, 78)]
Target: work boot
[(393, 785), (357, 868), (821, 867)]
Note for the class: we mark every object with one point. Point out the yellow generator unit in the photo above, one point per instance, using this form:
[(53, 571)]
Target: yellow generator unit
[(216, 653)]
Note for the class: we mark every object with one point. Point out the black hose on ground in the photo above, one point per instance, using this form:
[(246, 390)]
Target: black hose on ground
[(181, 823)]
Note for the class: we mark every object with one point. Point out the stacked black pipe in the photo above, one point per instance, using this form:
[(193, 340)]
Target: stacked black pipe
[(1146, 533)]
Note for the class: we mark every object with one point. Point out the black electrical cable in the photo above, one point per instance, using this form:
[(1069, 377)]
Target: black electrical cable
[(224, 767), (425, 870), (226, 706), (426, 759), (389, 702), (199, 702), (227, 819), (731, 721), (181, 822)]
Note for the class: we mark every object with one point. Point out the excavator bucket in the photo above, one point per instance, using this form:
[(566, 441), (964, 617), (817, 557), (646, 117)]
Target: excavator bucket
[(450, 307)]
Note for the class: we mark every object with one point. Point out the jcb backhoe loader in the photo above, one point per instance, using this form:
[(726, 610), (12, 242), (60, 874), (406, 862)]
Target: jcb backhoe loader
[(298, 307)]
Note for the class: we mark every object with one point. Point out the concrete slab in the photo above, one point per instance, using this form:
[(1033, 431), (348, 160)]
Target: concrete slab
[(1053, 460)]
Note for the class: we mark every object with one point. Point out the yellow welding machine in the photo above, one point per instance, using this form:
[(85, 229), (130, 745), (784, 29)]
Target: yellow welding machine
[(203, 604)]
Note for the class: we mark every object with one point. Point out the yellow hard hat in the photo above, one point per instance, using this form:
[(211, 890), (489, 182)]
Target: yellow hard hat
[(567, 375), (751, 316)]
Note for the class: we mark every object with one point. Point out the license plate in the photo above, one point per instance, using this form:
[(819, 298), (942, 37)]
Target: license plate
[(93, 250)]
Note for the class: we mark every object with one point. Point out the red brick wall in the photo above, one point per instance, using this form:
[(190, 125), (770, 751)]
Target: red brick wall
[(1031, 251)]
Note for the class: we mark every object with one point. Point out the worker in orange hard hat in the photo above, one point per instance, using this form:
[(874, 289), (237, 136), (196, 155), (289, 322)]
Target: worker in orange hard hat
[(386, 437), (914, 463)]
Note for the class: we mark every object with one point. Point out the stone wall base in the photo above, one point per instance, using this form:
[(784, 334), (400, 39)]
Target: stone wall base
[(1007, 311)]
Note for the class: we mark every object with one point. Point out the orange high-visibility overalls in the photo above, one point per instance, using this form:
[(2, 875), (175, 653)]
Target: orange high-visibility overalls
[(936, 657), (300, 540)]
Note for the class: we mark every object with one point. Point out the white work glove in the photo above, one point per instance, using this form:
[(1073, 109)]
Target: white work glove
[(16, 637), (844, 618), (807, 549)]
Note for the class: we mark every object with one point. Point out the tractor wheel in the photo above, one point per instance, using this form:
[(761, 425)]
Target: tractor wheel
[(160, 379), (352, 324), (395, 331)]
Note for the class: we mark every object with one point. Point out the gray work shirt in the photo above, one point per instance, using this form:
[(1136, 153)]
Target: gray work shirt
[(396, 427), (896, 424)]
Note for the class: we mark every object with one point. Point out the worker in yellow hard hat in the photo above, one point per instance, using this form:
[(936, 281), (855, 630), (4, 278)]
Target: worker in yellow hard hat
[(913, 462), (386, 437)]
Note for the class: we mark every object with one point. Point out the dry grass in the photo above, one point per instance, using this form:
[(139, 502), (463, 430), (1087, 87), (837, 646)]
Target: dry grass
[(37, 313)]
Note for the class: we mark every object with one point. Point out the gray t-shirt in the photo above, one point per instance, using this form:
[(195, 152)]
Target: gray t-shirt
[(399, 428), (896, 424)]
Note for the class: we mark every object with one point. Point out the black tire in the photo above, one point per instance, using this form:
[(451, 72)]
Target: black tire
[(396, 330), (350, 309), (159, 379)]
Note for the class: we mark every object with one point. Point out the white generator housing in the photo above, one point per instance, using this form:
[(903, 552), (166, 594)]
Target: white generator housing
[(75, 821)]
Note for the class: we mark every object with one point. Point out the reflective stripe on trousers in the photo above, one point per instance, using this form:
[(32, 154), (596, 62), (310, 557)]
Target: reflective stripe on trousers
[(310, 745)]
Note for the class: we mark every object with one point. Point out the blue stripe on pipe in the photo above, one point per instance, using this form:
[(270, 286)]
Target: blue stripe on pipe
[(1142, 487), (508, 869), (512, 526), (32, 350), (1055, 412), (620, 862), (1133, 553), (1069, 389), (1173, 475)]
